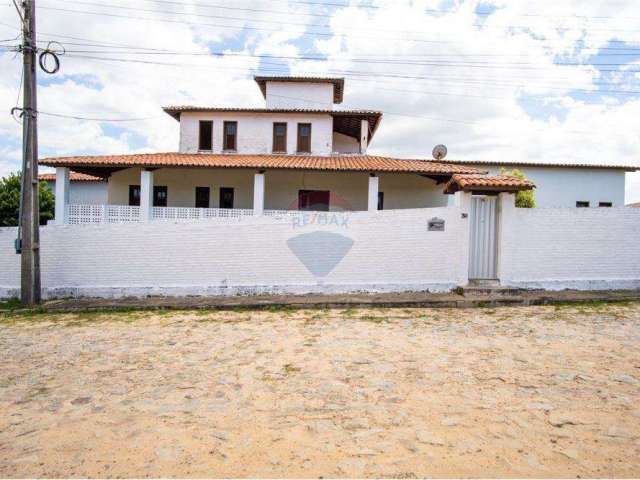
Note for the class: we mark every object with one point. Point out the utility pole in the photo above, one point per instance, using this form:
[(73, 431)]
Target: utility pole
[(30, 212)]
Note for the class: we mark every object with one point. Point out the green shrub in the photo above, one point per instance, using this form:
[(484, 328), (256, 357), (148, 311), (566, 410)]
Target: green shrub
[(526, 198), (10, 201)]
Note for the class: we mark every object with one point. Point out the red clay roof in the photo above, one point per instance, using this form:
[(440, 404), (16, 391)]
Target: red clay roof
[(499, 183), (73, 176), (176, 110), (516, 164), (356, 163), (338, 83)]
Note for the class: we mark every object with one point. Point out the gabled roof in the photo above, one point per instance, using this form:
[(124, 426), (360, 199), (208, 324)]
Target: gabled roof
[(479, 183), (73, 176), (338, 83), (349, 163), (516, 163)]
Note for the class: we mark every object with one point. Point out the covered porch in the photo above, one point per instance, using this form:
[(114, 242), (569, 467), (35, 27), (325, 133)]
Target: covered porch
[(224, 186)]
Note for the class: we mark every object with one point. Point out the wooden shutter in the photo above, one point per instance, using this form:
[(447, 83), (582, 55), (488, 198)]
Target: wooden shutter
[(230, 135), (304, 137), (205, 140), (280, 137)]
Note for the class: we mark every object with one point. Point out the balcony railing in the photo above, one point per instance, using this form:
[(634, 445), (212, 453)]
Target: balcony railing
[(81, 214)]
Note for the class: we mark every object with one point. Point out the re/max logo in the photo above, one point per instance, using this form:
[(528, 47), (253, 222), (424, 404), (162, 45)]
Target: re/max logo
[(321, 219)]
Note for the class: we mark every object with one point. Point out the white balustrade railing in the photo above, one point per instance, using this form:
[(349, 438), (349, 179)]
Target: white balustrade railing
[(186, 213), (82, 214)]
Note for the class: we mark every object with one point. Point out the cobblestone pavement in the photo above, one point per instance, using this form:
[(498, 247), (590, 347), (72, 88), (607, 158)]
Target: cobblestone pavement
[(527, 391)]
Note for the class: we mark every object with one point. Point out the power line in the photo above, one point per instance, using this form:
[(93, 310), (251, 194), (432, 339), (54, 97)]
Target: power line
[(252, 28), (280, 22), (599, 50), (370, 7), (433, 63), (348, 73), (95, 119)]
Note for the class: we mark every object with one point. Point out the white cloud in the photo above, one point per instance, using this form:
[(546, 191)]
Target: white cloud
[(476, 108)]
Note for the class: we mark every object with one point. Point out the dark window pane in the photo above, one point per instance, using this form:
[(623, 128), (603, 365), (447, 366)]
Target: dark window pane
[(605, 204), (314, 200), (580, 204), (205, 141), (134, 195), (380, 200), (279, 137), (304, 137), (226, 197), (159, 196), (230, 135), (202, 197)]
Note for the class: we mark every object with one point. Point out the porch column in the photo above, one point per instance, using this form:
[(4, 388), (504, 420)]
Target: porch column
[(62, 195), (258, 193), (146, 195), (364, 135), (372, 204)]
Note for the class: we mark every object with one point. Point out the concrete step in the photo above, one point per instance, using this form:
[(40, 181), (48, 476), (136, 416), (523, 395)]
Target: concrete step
[(493, 291)]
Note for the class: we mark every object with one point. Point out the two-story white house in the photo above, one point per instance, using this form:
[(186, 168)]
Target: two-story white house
[(281, 157)]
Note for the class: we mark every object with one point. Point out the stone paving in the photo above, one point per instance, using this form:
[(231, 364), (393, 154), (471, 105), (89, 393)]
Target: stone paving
[(517, 392)]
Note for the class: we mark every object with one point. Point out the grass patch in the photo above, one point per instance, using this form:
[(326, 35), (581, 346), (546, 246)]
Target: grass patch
[(11, 304), (290, 368), (374, 318)]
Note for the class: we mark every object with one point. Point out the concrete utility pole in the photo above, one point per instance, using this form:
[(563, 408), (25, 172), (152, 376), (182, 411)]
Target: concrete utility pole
[(30, 213)]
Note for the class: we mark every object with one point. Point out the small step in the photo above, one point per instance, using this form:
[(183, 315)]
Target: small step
[(484, 288)]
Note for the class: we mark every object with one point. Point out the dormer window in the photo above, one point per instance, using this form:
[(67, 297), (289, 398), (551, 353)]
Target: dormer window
[(304, 138), (280, 137), (205, 139), (230, 136)]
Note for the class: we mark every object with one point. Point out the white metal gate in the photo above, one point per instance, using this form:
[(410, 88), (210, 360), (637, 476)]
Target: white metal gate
[(482, 252)]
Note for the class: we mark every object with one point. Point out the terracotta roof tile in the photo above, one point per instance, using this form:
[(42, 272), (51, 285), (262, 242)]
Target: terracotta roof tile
[(73, 176), (500, 183), (363, 163)]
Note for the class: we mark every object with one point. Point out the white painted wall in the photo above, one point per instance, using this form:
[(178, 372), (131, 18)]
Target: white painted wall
[(93, 193), (349, 189), (557, 248), (390, 251), (562, 187), (255, 131), (299, 95), (345, 144)]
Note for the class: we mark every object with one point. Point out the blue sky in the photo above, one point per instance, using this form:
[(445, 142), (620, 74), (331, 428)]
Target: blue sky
[(494, 80)]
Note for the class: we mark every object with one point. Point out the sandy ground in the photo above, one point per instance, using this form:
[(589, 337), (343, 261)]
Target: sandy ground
[(531, 391)]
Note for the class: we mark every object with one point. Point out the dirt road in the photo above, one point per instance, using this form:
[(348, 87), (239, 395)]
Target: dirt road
[(536, 391)]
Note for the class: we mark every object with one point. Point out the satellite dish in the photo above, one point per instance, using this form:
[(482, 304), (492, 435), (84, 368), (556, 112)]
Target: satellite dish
[(439, 152)]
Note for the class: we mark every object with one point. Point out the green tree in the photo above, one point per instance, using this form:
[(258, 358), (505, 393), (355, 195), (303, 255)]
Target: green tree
[(10, 201), (526, 198)]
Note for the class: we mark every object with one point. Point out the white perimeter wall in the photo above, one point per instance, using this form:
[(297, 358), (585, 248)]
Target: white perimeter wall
[(563, 187), (390, 251), (255, 131), (558, 248)]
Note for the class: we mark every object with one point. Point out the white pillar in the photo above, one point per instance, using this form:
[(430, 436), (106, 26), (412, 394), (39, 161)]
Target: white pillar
[(462, 200), (372, 204), (364, 135), (258, 193), (506, 211), (62, 195), (146, 196)]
